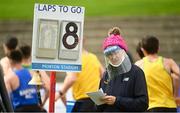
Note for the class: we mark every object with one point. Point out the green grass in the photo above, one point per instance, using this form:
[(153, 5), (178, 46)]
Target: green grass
[(23, 9)]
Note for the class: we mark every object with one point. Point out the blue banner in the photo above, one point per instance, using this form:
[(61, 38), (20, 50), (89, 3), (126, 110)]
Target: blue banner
[(57, 67)]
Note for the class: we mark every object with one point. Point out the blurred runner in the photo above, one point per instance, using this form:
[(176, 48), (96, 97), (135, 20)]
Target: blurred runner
[(82, 82), (24, 97), (159, 72)]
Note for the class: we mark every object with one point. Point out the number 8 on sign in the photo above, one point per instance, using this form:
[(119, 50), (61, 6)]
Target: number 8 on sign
[(72, 33), (69, 41)]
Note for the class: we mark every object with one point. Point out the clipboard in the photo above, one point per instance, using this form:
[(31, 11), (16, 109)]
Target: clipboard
[(97, 96)]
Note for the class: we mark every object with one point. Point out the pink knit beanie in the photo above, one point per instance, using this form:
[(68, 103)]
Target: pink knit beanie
[(115, 40)]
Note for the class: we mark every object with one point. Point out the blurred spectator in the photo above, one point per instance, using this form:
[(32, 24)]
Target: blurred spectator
[(5, 102), (139, 51)]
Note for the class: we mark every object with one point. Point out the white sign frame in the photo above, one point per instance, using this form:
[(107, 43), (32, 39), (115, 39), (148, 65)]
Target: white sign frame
[(52, 59)]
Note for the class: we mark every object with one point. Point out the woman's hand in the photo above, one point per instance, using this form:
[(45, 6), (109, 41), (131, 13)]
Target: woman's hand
[(110, 100)]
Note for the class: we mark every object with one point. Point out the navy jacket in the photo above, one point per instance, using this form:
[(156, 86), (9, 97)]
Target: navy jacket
[(129, 89)]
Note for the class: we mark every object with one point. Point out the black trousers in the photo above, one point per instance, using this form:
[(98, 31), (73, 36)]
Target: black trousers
[(30, 108), (162, 109), (84, 105)]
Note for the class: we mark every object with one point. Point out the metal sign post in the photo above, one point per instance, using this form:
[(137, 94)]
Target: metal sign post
[(52, 91)]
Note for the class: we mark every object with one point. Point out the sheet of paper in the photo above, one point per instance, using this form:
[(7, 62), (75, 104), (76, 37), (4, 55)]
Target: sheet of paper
[(97, 96)]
